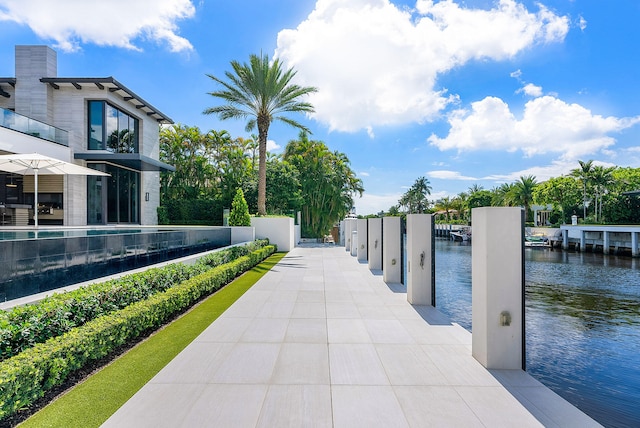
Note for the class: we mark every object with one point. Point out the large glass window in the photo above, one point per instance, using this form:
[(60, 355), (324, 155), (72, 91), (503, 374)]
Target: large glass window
[(96, 125), (112, 129), (96, 202), (118, 196)]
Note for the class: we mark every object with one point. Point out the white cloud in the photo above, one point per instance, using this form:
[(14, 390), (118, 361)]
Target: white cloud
[(449, 175), (378, 64), (548, 125), (370, 132), (272, 146), (109, 23), (372, 204), (542, 173), (364, 174), (582, 23), (531, 90)]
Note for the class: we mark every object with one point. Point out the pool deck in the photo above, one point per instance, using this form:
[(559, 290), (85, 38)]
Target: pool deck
[(322, 341)]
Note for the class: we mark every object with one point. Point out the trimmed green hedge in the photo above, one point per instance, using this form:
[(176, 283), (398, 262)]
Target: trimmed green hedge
[(27, 376), (25, 326)]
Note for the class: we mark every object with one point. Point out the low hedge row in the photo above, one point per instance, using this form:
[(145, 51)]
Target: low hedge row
[(27, 376), (23, 327)]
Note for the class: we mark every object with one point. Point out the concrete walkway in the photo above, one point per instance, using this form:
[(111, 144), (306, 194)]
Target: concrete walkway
[(322, 341)]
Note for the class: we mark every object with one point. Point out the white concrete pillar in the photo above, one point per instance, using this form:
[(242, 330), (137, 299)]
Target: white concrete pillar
[(419, 258), (354, 241), (634, 244), (497, 264), (605, 242), (347, 234), (583, 242), (374, 240), (565, 239), (362, 239), (391, 260)]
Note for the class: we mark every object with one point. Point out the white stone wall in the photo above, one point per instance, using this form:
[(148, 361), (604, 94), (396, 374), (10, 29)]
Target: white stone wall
[(279, 230), (242, 234)]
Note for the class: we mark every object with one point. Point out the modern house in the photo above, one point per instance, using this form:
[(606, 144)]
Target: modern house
[(95, 122)]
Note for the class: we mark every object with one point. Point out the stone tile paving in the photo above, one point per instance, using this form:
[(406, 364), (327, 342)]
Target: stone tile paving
[(321, 341)]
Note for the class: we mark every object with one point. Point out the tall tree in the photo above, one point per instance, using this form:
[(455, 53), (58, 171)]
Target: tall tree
[(328, 184), (522, 193), (260, 92), (475, 188), (445, 204), (460, 204), (189, 150), (584, 175), (415, 199), (479, 198), (563, 192), (602, 179), (500, 195), (283, 188)]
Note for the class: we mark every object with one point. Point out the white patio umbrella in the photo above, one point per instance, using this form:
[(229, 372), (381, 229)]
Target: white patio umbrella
[(36, 164)]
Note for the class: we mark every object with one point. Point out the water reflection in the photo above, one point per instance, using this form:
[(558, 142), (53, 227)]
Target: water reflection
[(583, 324)]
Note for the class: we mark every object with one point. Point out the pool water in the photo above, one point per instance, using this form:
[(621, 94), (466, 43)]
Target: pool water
[(43, 260)]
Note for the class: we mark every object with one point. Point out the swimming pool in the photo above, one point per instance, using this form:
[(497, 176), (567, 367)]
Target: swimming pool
[(34, 261)]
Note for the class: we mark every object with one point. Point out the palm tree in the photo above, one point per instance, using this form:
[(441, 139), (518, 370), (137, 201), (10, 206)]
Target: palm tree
[(445, 204), (522, 193), (475, 188), (459, 203), (500, 195), (584, 174), (260, 92), (415, 199), (602, 179)]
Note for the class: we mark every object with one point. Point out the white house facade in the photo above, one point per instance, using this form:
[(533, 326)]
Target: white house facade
[(94, 122)]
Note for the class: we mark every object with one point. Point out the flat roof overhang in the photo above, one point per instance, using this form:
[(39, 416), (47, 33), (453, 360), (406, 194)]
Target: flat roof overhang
[(112, 85), (134, 161), (632, 193)]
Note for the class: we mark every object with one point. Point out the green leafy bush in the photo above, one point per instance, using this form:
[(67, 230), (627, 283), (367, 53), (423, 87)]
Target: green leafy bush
[(191, 211), (25, 326), (239, 210), (27, 376)]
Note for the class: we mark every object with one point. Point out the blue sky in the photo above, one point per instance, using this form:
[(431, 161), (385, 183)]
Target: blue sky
[(462, 92)]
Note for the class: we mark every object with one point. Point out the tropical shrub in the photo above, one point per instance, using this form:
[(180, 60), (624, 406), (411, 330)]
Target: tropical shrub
[(239, 215)]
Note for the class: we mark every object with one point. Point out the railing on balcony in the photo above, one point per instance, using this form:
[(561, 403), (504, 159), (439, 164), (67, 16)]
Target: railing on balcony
[(12, 120)]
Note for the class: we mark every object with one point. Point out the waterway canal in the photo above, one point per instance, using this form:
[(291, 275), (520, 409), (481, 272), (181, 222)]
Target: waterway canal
[(582, 324)]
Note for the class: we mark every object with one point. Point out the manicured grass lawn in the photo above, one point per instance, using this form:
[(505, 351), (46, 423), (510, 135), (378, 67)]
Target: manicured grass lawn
[(92, 402)]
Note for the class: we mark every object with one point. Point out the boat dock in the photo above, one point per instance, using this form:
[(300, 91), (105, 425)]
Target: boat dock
[(623, 239), (450, 230), (607, 239), (323, 341)]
